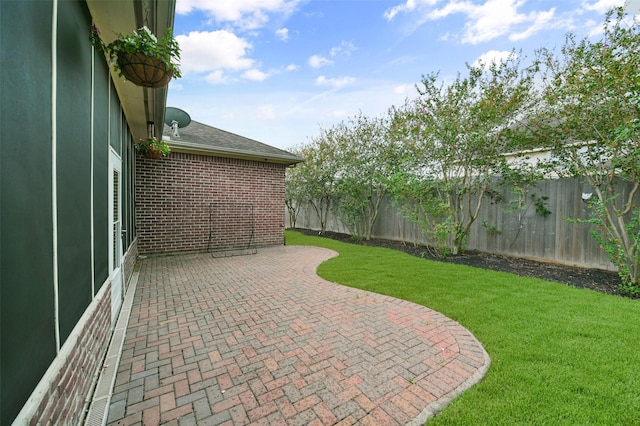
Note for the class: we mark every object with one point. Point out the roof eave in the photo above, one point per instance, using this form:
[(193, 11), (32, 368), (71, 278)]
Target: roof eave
[(193, 148), (140, 104)]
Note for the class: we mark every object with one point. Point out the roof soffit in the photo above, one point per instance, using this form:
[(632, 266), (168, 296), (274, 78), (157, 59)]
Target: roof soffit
[(139, 104)]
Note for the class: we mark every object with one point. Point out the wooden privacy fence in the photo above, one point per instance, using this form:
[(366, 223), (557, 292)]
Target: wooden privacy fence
[(499, 229)]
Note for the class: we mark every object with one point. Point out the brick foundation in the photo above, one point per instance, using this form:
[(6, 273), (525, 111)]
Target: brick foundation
[(68, 392), (129, 262), (173, 198), (66, 397)]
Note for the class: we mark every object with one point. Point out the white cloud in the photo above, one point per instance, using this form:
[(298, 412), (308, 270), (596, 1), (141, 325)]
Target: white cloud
[(203, 51), (338, 114), (602, 6), (404, 89), (344, 48), (597, 29), (541, 20), (493, 56), (176, 85), (245, 14), (266, 112), (484, 21), (408, 6), (317, 61), (492, 19), (334, 82), (216, 77), (292, 67), (255, 75), (282, 34)]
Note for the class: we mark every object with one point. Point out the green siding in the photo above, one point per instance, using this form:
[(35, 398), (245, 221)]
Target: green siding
[(27, 317), (116, 123), (125, 194), (101, 171), (73, 165), (27, 340), (128, 193)]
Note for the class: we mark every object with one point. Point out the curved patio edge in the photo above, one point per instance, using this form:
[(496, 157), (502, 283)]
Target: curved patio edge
[(435, 407), (262, 339)]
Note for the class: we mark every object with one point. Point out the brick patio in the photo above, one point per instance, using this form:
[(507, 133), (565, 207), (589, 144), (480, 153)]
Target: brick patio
[(263, 340)]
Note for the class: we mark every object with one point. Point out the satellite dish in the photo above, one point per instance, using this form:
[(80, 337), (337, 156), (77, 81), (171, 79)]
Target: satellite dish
[(176, 118), (176, 114)]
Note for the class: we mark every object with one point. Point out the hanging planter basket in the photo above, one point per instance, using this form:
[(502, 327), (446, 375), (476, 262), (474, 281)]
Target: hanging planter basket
[(154, 68), (143, 70), (153, 147), (153, 154)]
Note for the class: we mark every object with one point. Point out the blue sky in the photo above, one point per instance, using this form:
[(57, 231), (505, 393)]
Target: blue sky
[(277, 70)]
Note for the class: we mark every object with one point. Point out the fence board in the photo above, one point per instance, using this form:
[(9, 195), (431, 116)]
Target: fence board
[(551, 237)]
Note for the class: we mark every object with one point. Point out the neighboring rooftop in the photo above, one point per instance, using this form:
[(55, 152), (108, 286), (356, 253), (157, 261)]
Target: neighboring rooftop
[(200, 138)]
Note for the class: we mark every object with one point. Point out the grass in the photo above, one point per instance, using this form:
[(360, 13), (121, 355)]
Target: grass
[(559, 355)]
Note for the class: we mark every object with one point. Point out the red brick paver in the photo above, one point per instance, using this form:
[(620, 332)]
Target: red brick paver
[(263, 340)]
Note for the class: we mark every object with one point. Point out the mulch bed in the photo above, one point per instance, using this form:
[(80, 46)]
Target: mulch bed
[(595, 279)]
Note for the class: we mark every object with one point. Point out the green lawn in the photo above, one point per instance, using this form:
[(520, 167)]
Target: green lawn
[(559, 355)]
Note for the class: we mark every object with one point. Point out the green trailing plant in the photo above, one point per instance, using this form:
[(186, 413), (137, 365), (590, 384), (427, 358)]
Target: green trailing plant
[(165, 49), (491, 228), (521, 178), (540, 202), (151, 146)]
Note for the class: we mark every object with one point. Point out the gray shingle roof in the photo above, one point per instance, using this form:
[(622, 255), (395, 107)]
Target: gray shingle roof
[(198, 137)]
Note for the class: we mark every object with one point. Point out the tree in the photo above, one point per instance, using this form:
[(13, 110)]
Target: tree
[(459, 134), (368, 154), (295, 193), (591, 119), (318, 174)]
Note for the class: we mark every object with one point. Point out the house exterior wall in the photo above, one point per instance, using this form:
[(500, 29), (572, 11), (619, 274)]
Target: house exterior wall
[(63, 399), (61, 118), (177, 196)]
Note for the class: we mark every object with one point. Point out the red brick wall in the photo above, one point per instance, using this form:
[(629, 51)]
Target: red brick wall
[(173, 198), (129, 263)]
